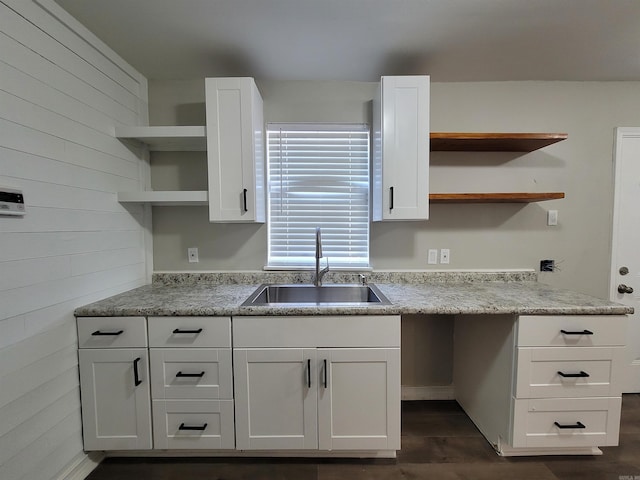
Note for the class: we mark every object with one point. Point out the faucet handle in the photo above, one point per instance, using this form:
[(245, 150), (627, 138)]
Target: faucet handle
[(363, 279)]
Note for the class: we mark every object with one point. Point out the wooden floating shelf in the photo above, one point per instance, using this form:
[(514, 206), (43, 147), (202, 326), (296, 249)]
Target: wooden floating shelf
[(492, 142), (166, 198), (167, 139), (494, 197)]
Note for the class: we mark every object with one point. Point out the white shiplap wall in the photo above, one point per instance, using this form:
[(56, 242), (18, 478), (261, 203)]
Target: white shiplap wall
[(61, 94)]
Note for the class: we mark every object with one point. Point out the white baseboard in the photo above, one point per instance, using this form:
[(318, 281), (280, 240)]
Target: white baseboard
[(81, 467), (255, 453), (506, 451), (444, 392)]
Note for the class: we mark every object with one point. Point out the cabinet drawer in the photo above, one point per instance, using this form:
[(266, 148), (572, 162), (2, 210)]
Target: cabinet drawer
[(190, 332), (193, 424), (309, 331), (112, 332), (571, 330), (569, 372), (191, 373), (587, 422)]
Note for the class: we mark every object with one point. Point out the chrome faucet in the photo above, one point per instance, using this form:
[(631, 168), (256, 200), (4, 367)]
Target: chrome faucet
[(317, 279)]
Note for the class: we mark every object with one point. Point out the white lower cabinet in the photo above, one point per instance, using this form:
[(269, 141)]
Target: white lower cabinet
[(541, 385), (359, 399), (116, 409), (174, 390), (114, 384), (276, 398), (191, 382), (294, 392)]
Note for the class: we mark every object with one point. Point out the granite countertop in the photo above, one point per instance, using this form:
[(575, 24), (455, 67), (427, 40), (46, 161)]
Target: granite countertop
[(419, 293)]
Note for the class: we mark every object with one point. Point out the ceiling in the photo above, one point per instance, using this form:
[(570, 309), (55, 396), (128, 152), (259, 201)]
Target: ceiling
[(360, 40)]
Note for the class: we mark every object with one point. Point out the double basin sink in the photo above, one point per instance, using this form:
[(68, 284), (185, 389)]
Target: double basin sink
[(326, 295)]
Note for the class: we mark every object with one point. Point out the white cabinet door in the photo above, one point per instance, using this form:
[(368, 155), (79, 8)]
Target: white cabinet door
[(276, 398), (116, 405), (235, 150), (359, 399), (401, 149)]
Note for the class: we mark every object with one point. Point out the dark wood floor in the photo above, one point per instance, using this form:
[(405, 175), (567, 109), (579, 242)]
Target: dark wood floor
[(438, 442)]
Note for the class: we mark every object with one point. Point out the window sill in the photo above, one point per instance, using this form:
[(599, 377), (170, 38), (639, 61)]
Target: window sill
[(271, 268)]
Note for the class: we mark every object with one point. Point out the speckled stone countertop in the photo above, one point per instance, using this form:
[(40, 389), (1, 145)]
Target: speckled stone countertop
[(217, 294)]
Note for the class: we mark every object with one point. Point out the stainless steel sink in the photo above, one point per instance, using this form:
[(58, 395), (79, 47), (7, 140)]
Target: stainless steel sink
[(326, 295)]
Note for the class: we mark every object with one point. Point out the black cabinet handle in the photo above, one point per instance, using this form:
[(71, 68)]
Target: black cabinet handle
[(115, 334), (308, 373), (136, 374), (573, 375), (179, 330), (390, 198), (244, 199), (180, 374), (575, 425), (583, 332), (192, 427), (326, 375)]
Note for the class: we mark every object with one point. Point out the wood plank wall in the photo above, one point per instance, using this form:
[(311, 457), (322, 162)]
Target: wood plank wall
[(61, 94)]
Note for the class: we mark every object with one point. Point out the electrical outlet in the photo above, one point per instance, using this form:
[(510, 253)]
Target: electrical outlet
[(444, 255), (432, 259), (547, 265), (192, 253), (552, 218)]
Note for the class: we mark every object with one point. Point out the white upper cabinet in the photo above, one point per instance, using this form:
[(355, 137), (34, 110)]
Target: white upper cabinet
[(400, 187), (235, 150)]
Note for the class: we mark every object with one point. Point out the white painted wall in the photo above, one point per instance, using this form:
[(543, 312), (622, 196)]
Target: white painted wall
[(61, 94), (479, 236)]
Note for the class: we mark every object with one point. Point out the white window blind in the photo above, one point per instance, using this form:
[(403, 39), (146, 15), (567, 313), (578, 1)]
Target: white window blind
[(318, 176)]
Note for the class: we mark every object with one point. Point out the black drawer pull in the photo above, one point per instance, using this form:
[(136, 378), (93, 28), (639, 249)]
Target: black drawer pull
[(244, 200), (192, 427), (180, 374), (115, 334), (573, 375), (583, 332), (136, 374), (308, 373), (326, 374), (180, 330), (390, 198), (575, 425)]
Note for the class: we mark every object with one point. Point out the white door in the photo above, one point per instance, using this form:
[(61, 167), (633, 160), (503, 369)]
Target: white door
[(116, 404), (359, 399), (276, 399), (625, 257)]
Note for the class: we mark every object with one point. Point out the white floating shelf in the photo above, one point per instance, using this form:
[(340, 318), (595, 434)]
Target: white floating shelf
[(168, 198), (168, 139)]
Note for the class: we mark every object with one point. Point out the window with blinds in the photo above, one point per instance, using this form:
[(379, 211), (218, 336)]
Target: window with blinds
[(318, 176)]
